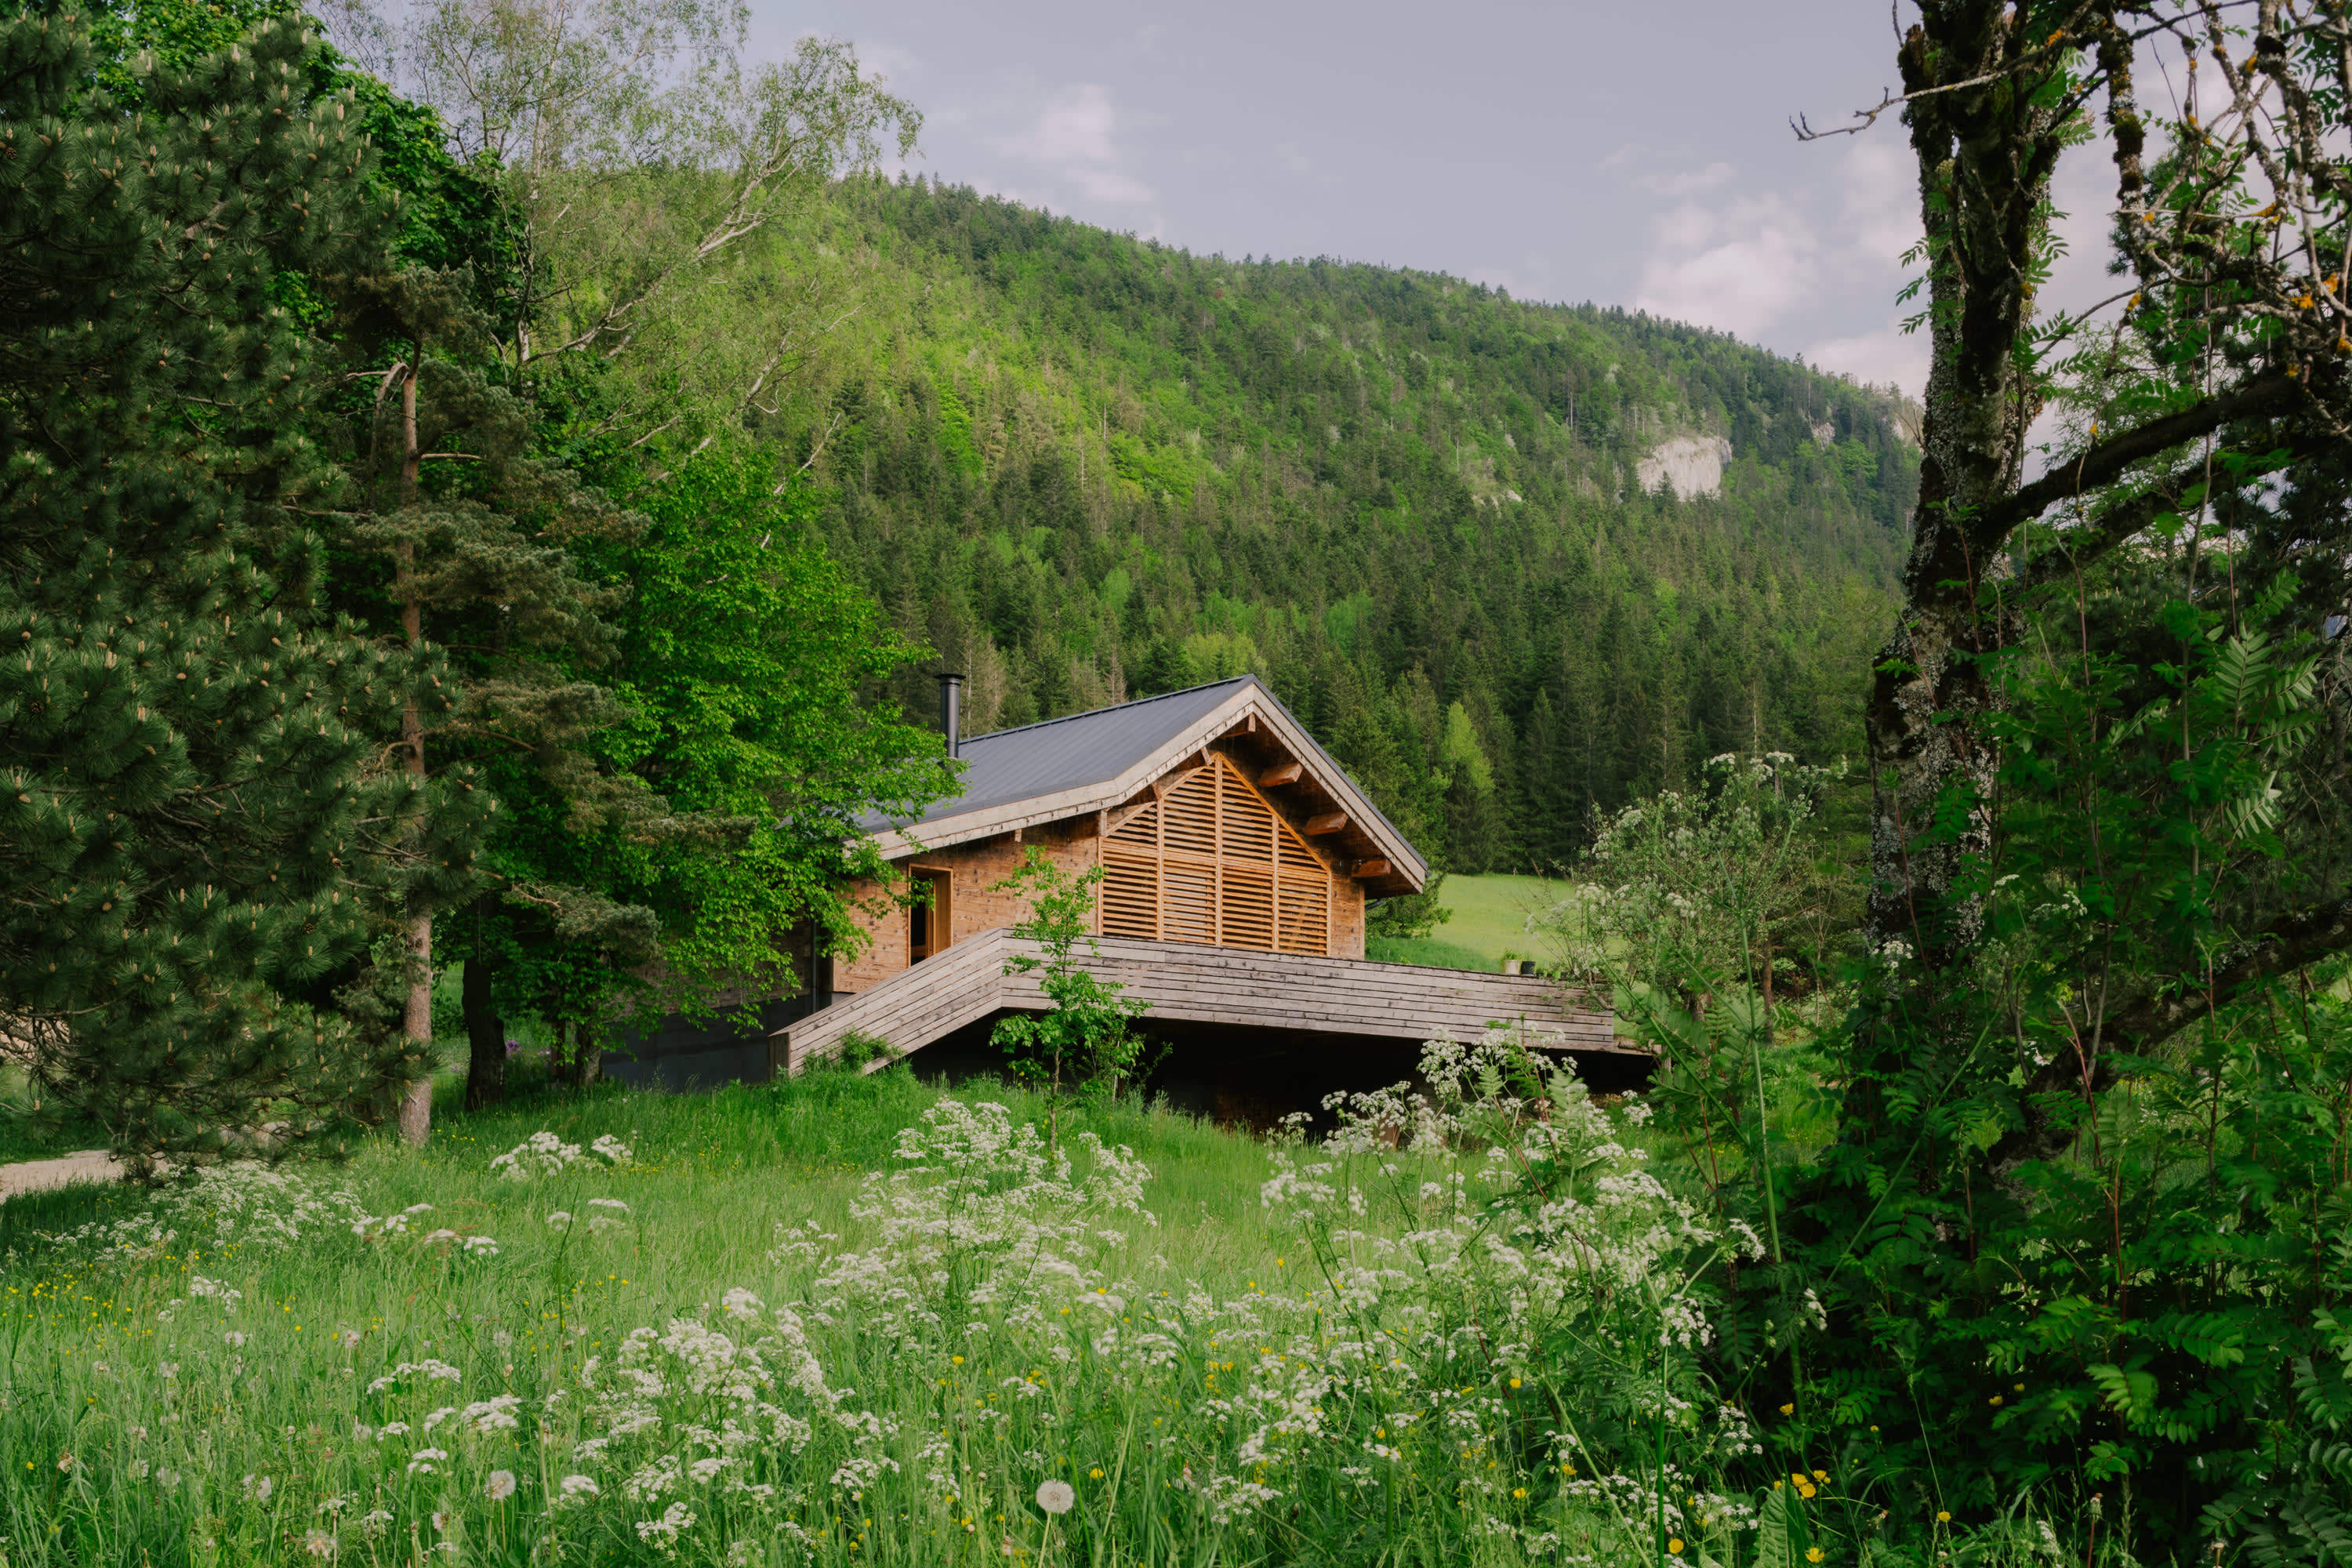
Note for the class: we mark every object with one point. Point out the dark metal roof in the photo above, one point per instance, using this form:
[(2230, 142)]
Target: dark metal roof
[(1094, 748), (1089, 748)]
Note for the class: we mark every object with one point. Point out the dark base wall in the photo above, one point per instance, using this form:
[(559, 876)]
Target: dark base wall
[(1255, 1077), (679, 1054)]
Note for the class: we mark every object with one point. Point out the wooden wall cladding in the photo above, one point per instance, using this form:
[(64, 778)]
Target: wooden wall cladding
[(1210, 862)]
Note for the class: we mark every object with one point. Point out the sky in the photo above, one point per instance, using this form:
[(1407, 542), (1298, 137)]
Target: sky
[(1632, 153)]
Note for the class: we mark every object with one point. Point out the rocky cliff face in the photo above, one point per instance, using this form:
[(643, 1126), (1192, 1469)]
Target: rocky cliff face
[(1693, 465)]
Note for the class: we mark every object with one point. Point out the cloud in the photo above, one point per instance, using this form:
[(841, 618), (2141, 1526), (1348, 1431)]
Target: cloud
[(1740, 267), (1077, 137), (1881, 206), (1691, 184), (1292, 157), (892, 63), (1882, 358)]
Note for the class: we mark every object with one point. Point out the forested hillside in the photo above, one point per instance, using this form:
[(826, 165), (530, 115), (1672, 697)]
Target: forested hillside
[(1084, 466)]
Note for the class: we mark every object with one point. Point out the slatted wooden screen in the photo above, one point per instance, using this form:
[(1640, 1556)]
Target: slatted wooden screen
[(1211, 862)]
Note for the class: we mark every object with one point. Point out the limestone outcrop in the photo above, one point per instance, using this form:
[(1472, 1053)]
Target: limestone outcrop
[(1692, 465)]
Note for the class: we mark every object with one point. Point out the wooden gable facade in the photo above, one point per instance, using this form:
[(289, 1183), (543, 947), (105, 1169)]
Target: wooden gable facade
[(1231, 829), (1212, 861)]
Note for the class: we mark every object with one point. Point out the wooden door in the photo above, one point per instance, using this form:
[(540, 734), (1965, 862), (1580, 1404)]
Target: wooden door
[(930, 922)]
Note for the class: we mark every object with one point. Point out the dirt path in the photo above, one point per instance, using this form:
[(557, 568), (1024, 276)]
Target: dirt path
[(39, 1176)]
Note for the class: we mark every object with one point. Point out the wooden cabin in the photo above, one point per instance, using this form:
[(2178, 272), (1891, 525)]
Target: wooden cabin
[(1237, 860)]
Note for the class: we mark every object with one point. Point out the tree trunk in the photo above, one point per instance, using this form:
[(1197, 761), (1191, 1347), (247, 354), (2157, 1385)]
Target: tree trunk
[(416, 1099), (587, 1055), (416, 1103), (1985, 154), (485, 1034)]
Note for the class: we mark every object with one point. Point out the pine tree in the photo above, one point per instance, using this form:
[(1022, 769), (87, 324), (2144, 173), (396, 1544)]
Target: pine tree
[(472, 531), (181, 808)]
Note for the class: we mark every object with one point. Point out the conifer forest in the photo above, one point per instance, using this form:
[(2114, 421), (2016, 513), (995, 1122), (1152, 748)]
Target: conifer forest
[(488, 489)]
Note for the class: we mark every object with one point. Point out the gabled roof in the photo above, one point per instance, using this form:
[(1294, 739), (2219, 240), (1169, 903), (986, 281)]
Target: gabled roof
[(1101, 759)]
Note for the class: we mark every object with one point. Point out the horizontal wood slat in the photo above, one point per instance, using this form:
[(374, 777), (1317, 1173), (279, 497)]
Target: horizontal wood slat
[(1190, 982)]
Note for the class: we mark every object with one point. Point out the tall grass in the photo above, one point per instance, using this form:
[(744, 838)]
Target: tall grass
[(852, 1321)]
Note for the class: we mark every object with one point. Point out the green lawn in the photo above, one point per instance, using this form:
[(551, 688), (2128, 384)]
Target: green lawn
[(1489, 924)]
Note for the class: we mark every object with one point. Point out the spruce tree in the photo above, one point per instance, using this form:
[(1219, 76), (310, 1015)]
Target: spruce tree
[(181, 805)]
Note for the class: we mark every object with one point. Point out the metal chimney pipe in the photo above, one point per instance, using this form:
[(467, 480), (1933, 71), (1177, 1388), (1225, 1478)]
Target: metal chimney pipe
[(951, 711)]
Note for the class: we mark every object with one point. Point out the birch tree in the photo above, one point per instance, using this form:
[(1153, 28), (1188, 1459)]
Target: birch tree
[(638, 147)]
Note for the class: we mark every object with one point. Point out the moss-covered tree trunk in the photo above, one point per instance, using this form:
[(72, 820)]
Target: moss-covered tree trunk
[(1985, 155)]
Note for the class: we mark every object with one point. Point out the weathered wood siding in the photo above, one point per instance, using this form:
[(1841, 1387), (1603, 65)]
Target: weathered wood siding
[(1194, 983), (1208, 857)]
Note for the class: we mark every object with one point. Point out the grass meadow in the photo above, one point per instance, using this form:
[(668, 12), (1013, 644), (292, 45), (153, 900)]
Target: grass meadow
[(1489, 924), (861, 1319)]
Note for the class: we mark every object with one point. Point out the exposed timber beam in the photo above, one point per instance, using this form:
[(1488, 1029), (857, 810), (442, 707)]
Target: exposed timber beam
[(1329, 822), (1281, 774), (1368, 868)]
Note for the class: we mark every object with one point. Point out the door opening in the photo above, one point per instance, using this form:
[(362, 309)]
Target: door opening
[(930, 921)]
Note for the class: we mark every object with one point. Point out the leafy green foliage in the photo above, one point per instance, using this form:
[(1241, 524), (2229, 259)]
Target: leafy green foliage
[(1084, 1042), (740, 657), (2056, 1249)]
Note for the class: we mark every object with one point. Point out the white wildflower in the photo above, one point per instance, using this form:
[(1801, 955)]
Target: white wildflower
[(577, 1487), (318, 1543), (257, 1488), (494, 1415), (665, 1530), (423, 1369), (742, 1305), (540, 1154), (501, 1486), (1057, 1496), (421, 1463)]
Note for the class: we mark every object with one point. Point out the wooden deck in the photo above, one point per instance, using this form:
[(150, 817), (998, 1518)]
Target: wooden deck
[(1240, 988)]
